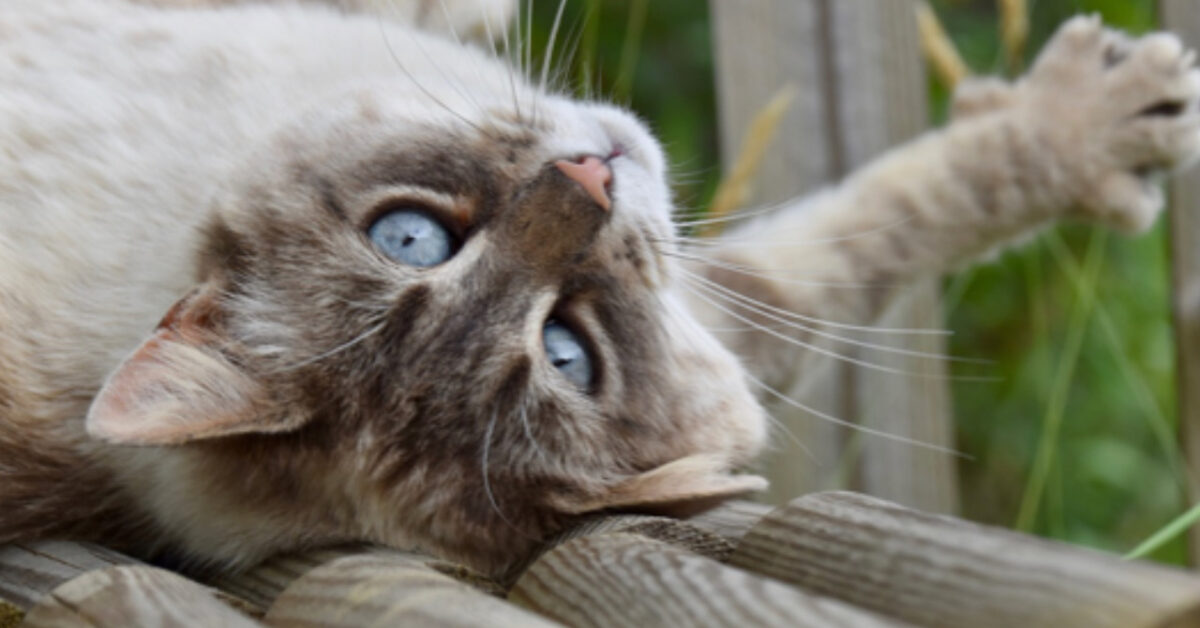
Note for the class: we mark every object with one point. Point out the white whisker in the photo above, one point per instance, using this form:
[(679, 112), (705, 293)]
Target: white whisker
[(336, 350), (479, 75), (853, 426), (529, 434), (400, 64), (508, 59), (777, 424), (830, 353), (452, 79), (722, 241), (823, 322), (765, 310), (548, 55), (772, 275), (734, 216), (485, 471)]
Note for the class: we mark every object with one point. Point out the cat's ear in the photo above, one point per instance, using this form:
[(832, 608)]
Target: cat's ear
[(680, 488), (182, 384)]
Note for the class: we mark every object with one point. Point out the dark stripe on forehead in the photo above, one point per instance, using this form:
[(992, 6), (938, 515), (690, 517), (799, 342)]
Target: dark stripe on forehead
[(329, 199), (451, 170)]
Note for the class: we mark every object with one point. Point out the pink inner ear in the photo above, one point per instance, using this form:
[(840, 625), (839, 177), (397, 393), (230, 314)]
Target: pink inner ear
[(180, 386)]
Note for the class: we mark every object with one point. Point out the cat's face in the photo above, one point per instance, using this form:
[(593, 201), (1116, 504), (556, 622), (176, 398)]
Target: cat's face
[(413, 327)]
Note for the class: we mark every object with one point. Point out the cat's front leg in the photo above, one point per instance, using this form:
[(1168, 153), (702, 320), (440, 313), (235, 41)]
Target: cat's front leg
[(1082, 136)]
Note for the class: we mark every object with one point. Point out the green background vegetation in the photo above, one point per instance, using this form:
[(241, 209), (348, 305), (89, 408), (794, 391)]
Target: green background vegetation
[(1076, 440)]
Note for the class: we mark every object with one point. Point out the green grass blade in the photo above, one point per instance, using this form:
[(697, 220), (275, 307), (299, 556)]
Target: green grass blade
[(1047, 450), (1167, 534), (630, 51), (1160, 425)]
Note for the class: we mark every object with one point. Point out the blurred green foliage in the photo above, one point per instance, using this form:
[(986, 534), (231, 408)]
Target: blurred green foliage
[(1075, 445), (1112, 472)]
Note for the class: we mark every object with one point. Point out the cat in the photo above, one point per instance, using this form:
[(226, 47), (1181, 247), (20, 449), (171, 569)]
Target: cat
[(278, 275)]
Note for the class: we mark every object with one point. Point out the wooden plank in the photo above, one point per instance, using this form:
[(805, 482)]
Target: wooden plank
[(626, 579), (882, 89), (1183, 17), (938, 571), (262, 584), (862, 90), (760, 46), (731, 520), (390, 589), (133, 595), (30, 571), (682, 534)]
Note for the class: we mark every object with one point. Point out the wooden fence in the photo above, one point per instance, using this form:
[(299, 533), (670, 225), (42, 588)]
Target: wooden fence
[(857, 63), (1183, 17), (857, 68), (828, 559)]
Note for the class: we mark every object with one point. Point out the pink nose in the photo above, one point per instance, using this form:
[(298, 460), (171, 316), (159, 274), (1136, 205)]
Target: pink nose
[(593, 174)]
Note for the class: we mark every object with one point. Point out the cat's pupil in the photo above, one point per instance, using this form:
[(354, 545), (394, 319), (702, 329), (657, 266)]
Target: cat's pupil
[(412, 237), (567, 353)]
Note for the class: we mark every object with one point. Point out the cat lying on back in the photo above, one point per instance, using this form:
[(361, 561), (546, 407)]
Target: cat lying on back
[(275, 276)]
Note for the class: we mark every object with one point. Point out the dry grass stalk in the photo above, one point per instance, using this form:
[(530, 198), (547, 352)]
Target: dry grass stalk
[(1014, 31), (943, 55), (734, 191)]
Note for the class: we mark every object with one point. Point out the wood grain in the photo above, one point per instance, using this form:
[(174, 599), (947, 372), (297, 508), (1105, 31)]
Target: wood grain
[(731, 520), (261, 585), (760, 46), (938, 571), (626, 579), (390, 589), (683, 534), (133, 595), (1183, 17), (30, 571), (861, 90)]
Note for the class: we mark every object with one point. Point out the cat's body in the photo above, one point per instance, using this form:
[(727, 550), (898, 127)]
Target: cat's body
[(307, 389)]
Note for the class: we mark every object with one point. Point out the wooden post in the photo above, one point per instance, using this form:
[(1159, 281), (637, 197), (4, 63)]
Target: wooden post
[(858, 71), (937, 571), (624, 579), (133, 595), (383, 589), (1183, 17), (29, 571)]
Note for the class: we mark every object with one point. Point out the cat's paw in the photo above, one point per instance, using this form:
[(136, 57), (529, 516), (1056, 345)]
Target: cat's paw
[(1116, 111)]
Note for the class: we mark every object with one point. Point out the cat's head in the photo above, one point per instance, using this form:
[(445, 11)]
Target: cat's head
[(412, 326)]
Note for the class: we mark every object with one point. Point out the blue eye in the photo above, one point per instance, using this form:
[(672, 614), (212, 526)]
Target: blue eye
[(412, 237), (568, 354)]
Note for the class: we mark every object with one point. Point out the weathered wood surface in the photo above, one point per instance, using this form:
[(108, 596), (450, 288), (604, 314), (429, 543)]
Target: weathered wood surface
[(731, 520), (1183, 17), (624, 579), (390, 590), (30, 571), (938, 571), (862, 90), (683, 534), (133, 595), (832, 559), (261, 585)]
